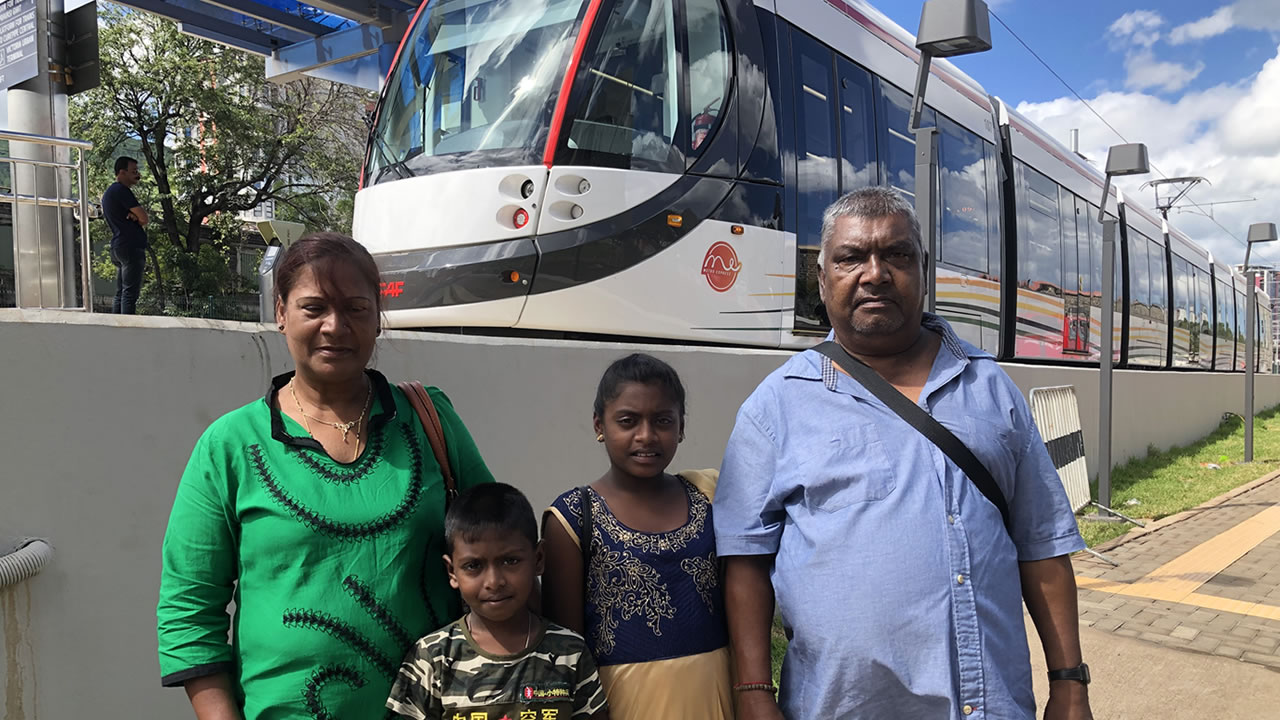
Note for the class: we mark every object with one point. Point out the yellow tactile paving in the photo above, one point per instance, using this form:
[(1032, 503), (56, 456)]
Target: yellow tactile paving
[(1177, 580)]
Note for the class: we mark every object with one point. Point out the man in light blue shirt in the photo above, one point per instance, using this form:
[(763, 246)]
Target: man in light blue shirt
[(897, 581)]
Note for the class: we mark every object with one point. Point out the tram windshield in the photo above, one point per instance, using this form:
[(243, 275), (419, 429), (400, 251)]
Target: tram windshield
[(474, 77), (477, 81)]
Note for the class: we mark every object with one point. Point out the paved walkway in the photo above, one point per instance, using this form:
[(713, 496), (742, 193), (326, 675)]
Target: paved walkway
[(1206, 581)]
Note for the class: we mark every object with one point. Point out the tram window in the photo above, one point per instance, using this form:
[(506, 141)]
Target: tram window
[(1076, 312), (1095, 257), (994, 256), (709, 68), (1242, 325), (897, 144), (1159, 288), (1186, 339), (858, 167), (1139, 275), (1039, 239), (963, 170), (1204, 306), (628, 115), (1224, 328), (817, 183)]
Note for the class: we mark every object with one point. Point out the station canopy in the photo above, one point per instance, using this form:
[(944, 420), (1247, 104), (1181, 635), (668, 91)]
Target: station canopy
[(346, 41)]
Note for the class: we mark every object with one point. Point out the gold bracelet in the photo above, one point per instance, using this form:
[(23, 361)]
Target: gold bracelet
[(743, 687)]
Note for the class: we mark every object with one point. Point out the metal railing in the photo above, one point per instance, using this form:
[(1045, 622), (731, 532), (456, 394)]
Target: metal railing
[(15, 197)]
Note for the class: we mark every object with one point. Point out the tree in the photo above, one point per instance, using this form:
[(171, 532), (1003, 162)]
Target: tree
[(214, 138)]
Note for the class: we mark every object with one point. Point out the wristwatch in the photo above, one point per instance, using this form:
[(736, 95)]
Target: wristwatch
[(1079, 674)]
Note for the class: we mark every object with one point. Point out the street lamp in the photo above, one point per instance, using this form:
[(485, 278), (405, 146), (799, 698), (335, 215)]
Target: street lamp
[(1258, 233), (947, 28), (1122, 160)]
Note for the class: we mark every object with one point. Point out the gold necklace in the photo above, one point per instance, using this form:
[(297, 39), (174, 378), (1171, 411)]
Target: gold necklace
[(344, 427)]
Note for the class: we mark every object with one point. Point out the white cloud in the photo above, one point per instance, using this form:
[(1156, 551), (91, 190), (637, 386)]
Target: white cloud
[(1207, 27), (1145, 72), (1245, 14), (1229, 133), (1139, 26)]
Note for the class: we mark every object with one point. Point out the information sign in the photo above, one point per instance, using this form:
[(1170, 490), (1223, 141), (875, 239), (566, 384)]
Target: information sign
[(18, 58)]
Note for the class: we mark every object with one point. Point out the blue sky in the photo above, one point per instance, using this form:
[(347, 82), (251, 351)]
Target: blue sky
[(1198, 81)]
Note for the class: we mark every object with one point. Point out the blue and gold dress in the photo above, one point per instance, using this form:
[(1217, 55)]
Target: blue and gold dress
[(655, 616)]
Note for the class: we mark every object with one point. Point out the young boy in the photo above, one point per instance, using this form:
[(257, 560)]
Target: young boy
[(500, 661)]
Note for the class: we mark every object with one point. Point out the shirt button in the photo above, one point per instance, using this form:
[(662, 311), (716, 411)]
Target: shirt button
[(960, 581), (951, 519), (968, 709)]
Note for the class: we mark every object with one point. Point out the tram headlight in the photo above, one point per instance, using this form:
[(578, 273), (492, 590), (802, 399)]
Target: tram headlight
[(584, 186), (526, 190)]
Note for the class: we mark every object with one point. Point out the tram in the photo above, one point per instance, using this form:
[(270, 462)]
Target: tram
[(657, 170)]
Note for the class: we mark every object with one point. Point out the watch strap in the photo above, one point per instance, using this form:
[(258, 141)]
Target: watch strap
[(1079, 673)]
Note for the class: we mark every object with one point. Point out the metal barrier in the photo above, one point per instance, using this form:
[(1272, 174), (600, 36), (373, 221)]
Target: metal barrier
[(15, 197), (1057, 414)]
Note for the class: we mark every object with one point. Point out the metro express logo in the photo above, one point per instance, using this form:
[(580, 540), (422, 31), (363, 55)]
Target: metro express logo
[(392, 289), (721, 266)]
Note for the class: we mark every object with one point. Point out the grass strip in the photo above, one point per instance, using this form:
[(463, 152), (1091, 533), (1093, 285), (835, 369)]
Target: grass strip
[(1167, 482)]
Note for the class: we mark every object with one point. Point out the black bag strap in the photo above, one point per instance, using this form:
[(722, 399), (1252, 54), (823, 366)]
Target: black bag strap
[(922, 421), (585, 529)]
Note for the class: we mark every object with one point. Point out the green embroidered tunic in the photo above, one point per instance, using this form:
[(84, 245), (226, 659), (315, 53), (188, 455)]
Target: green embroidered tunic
[(335, 568)]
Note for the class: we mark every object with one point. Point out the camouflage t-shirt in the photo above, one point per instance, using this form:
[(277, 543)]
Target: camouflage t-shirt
[(447, 676)]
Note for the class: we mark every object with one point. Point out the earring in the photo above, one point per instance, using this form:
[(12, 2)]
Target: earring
[(281, 326), (600, 437)]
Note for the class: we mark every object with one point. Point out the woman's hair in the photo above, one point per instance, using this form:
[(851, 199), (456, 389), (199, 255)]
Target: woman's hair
[(638, 368), (486, 507), (323, 252)]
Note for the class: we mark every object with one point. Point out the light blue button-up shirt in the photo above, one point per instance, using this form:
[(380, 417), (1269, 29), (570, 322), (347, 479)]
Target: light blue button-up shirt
[(895, 577)]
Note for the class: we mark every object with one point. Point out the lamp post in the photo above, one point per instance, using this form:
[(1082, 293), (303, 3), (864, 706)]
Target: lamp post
[(1122, 160), (947, 28), (1258, 233)]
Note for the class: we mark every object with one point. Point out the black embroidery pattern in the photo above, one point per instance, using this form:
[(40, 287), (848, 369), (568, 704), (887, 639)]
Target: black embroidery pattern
[(364, 597), (347, 532), (322, 677), (344, 633), (372, 458)]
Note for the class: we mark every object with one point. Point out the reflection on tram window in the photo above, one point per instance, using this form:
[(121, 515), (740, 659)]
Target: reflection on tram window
[(1075, 264), (1225, 329), (858, 166), (629, 114), (1039, 238), (1140, 327), (709, 68), (1159, 298), (897, 143), (816, 178), (963, 169), (474, 77), (1205, 307), (1186, 340)]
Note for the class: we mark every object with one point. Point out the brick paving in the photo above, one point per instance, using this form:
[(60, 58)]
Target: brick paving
[(1194, 624)]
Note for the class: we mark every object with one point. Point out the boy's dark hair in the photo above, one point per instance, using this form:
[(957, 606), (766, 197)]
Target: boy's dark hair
[(123, 162), (490, 506), (643, 369)]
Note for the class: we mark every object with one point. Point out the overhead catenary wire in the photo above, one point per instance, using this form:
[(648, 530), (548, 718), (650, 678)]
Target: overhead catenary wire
[(1111, 127)]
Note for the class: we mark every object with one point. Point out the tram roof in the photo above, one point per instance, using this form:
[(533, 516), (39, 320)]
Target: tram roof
[(338, 40)]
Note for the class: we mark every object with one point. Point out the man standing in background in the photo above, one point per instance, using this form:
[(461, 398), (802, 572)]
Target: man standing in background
[(127, 220)]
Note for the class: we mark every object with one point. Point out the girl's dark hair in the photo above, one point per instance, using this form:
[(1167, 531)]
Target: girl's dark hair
[(486, 507), (323, 252), (638, 368)]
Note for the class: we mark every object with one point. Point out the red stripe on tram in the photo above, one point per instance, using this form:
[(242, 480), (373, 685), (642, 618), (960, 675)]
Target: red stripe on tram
[(562, 103), (386, 83)]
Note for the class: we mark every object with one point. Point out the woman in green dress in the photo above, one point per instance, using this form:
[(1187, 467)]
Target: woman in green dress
[(319, 510)]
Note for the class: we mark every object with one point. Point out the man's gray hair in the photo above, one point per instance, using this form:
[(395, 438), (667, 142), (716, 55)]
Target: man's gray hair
[(869, 202)]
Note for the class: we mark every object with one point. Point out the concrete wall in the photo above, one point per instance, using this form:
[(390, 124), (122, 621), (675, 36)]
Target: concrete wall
[(101, 412)]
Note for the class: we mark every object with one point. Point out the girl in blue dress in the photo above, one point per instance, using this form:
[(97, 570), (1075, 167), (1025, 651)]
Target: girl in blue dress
[(648, 598)]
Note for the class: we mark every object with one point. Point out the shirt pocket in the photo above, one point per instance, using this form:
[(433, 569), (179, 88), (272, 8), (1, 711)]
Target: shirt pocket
[(849, 467), (993, 444)]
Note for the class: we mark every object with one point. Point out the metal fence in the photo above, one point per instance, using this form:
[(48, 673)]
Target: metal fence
[(243, 307), (62, 199)]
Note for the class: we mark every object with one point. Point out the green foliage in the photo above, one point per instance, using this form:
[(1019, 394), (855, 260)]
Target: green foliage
[(213, 138)]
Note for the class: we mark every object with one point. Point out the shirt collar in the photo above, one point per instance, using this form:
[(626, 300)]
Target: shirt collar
[(385, 402), (814, 366)]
